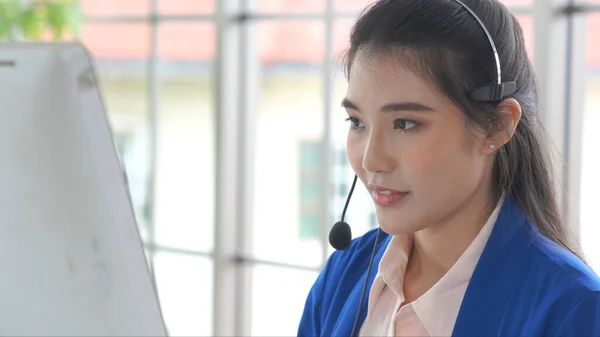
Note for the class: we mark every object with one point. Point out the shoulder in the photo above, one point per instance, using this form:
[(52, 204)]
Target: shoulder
[(571, 287), (550, 290), (540, 260), (563, 266)]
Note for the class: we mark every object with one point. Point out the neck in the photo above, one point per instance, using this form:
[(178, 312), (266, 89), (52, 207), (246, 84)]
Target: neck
[(437, 248)]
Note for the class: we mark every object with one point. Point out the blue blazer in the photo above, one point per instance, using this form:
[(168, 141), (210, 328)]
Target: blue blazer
[(523, 285)]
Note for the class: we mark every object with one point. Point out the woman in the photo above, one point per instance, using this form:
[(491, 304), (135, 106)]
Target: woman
[(448, 141)]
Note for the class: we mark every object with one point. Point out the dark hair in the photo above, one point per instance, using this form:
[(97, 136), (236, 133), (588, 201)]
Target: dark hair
[(441, 41)]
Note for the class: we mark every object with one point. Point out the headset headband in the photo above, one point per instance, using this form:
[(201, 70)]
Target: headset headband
[(494, 91)]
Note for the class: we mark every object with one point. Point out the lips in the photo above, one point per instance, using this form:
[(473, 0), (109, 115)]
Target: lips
[(386, 197)]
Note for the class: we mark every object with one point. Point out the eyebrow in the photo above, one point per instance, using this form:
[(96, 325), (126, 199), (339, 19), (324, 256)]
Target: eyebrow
[(391, 107)]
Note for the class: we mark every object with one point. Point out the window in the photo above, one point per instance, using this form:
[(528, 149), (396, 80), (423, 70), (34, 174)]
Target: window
[(157, 87), (372, 220), (311, 191), (161, 85), (590, 158), (289, 129)]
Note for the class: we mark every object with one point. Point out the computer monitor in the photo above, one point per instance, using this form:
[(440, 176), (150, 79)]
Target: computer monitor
[(71, 259)]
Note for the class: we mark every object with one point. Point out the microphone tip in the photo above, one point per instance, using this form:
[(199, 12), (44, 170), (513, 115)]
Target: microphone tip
[(340, 236)]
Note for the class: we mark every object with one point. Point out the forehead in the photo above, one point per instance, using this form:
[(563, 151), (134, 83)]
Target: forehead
[(379, 78)]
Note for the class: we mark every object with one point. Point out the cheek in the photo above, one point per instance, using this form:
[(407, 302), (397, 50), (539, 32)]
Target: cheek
[(441, 157)]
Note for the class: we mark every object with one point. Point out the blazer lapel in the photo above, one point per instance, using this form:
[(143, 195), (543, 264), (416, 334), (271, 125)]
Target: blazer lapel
[(344, 326), (495, 275)]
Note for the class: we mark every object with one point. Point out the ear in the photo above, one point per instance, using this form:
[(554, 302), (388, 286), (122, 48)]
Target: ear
[(509, 113)]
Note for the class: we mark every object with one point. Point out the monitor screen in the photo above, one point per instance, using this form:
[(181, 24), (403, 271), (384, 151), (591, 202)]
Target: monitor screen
[(71, 259)]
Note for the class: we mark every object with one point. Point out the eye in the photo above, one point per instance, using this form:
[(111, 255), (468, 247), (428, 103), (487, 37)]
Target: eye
[(356, 123), (404, 124)]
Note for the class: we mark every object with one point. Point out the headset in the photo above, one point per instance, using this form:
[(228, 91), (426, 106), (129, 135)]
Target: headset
[(340, 235)]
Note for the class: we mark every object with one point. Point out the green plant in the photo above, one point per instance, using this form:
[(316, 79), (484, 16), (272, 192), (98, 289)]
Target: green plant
[(31, 19)]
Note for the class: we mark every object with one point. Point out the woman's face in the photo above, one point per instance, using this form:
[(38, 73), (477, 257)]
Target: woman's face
[(410, 146)]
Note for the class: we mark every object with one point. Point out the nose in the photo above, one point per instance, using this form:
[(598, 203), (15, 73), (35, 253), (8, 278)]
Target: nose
[(378, 156)]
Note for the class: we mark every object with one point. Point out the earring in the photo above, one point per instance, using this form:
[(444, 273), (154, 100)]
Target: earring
[(492, 146)]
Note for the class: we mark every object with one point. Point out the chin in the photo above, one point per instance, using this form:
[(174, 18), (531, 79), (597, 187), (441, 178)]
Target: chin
[(396, 230), (392, 225)]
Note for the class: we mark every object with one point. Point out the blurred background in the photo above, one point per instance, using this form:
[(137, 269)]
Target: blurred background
[(226, 115)]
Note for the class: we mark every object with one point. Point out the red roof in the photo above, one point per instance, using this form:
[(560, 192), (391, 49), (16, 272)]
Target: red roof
[(279, 41)]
